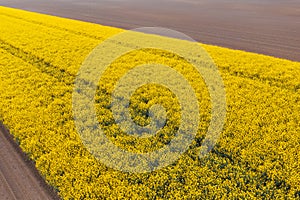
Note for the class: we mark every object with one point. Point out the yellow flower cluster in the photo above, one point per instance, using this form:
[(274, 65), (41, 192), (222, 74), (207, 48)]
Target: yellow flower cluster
[(257, 155)]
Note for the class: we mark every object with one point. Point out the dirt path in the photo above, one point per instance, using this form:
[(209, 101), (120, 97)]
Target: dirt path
[(18, 177), (270, 27)]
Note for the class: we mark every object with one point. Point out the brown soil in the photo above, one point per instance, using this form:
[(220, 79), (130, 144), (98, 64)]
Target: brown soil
[(270, 27), (19, 178)]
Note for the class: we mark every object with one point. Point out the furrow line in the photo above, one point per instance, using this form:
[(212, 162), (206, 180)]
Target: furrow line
[(55, 27), (40, 63)]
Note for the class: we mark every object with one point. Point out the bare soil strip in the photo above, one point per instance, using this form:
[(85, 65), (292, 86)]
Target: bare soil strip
[(269, 27), (19, 178)]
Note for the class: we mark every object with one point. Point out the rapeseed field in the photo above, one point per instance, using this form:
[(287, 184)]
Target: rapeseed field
[(257, 154)]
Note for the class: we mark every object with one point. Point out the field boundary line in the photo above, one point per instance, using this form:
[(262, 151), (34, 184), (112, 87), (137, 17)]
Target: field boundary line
[(30, 163), (102, 38)]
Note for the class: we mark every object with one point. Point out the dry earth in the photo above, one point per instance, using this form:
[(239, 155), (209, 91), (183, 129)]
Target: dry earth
[(269, 27), (19, 179)]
